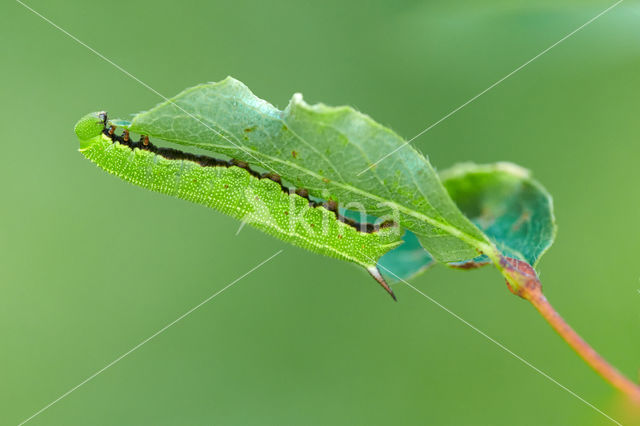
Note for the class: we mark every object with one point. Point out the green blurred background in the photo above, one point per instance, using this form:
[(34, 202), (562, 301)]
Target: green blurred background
[(91, 266)]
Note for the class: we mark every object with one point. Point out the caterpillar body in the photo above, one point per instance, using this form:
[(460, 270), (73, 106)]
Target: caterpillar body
[(233, 188)]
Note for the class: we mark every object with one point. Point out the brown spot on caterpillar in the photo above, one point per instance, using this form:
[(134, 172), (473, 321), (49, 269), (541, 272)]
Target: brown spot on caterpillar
[(272, 176), (112, 129), (125, 135), (304, 193), (331, 206), (294, 154), (241, 164), (244, 165), (145, 140)]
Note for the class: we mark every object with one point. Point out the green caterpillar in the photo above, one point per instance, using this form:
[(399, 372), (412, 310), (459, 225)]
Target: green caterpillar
[(235, 189)]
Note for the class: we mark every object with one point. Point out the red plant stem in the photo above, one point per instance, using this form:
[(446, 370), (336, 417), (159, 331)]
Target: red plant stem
[(523, 281), (586, 352)]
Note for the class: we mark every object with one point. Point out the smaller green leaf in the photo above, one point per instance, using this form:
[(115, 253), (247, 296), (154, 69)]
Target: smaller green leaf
[(501, 199), (405, 261), (510, 207)]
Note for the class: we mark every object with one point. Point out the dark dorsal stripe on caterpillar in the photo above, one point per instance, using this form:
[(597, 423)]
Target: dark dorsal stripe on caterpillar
[(233, 188), (205, 161)]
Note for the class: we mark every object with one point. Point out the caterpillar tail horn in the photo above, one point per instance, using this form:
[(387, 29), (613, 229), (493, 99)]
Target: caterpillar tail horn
[(375, 273)]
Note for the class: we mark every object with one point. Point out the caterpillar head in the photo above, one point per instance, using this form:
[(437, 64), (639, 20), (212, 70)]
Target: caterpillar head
[(90, 126)]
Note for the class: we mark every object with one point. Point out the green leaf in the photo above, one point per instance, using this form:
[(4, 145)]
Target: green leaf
[(502, 199), (405, 261), (323, 149), (507, 204)]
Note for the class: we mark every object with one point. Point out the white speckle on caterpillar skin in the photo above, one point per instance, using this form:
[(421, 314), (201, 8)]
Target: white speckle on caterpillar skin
[(260, 201)]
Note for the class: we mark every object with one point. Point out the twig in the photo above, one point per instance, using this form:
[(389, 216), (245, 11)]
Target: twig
[(523, 281)]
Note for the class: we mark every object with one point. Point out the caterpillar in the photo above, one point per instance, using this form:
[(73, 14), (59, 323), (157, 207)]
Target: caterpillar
[(234, 188)]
